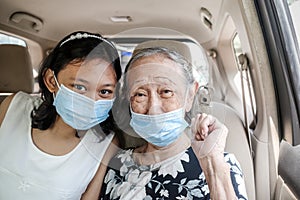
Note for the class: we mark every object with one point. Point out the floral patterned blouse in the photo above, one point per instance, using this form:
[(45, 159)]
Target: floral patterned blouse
[(178, 177)]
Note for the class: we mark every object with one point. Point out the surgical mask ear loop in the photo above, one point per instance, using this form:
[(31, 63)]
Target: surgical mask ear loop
[(55, 79)]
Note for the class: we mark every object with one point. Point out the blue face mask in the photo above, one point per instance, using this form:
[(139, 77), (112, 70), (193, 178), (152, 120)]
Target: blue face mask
[(79, 111), (160, 130)]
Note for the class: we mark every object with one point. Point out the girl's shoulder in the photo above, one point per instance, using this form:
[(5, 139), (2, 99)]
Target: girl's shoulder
[(25, 98), (19, 101)]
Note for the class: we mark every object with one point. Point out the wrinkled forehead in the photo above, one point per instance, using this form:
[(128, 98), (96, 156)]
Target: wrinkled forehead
[(159, 72)]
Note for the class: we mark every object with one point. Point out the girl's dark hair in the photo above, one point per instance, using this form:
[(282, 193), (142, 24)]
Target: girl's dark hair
[(75, 47)]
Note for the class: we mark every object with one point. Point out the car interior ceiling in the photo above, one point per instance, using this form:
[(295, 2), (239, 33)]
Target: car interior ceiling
[(218, 23)]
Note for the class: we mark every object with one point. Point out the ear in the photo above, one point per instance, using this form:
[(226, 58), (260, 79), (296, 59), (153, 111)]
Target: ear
[(50, 81), (191, 95)]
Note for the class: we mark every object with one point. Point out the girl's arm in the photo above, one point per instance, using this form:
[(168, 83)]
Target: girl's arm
[(93, 190)]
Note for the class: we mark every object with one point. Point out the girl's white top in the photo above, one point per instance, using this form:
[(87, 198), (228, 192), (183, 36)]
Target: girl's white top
[(28, 173)]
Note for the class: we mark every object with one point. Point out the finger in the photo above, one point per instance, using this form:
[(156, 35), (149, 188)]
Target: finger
[(202, 116), (198, 137), (208, 124), (215, 124), (203, 126), (212, 123), (198, 132), (194, 127)]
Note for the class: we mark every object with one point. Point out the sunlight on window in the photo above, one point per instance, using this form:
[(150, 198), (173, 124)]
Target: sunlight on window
[(5, 39), (200, 62), (237, 47), (294, 6)]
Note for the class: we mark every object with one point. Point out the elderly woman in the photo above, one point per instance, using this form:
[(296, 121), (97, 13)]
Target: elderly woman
[(171, 165)]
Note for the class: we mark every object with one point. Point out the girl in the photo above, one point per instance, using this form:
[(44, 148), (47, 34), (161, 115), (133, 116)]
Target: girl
[(51, 147)]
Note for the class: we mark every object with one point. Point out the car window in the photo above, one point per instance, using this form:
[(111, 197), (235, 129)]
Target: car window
[(280, 27), (197, 53), (6, 39), (294, 7), (244, 85), (199, 62)]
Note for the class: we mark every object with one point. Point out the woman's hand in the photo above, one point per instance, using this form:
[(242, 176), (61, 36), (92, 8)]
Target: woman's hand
[(209, 135), (208, 144)]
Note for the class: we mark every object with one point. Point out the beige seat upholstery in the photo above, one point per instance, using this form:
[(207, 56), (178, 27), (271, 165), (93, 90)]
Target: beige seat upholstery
[(237, 142), (15, 70)]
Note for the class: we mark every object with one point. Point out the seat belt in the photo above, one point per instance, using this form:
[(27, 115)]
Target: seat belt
[(214, 70), (243, 68)]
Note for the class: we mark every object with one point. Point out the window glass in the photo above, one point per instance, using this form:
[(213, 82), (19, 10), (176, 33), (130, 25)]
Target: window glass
[(294, 58), (5, 39), (294, 6), (237, 48), (200, 62), (197, 53), (125, 51), (246, 77)]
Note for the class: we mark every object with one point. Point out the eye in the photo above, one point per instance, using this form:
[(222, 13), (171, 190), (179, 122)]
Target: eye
[(139, 96), (106, 93), (166, 93), (79, 88)]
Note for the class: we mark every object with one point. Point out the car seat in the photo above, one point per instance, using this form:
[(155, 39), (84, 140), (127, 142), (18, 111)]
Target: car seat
[(15, 70), (237, 142)]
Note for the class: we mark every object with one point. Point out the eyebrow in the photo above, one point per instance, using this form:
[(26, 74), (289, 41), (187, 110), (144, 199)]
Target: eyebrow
[(79, 79), (109, 85), (87, 82)]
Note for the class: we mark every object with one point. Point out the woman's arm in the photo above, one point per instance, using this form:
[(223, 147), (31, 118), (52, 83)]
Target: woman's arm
[(4, 106), (93, 190), (209, 144), (217, 174)]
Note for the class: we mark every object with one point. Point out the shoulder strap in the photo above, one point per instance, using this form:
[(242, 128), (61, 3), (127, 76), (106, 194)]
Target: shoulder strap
[(245, 76)]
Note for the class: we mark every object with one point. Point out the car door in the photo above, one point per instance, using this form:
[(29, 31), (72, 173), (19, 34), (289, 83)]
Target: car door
[(279, 24)]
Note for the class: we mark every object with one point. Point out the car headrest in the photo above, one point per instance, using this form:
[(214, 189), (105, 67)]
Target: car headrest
[(177, 46), (122, 115), (15, 69)]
